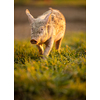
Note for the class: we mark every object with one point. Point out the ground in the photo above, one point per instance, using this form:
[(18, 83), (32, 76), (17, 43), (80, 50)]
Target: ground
[(62, 76)]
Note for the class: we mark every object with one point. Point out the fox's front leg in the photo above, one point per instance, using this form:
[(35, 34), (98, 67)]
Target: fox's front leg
[(49, 45)]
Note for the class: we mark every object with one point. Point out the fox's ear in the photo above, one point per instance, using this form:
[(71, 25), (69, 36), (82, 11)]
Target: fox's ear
[(47, 17), (30, 17)]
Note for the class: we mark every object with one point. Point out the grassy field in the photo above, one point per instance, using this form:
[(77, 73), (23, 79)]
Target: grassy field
[(40, 3), (61, 77)]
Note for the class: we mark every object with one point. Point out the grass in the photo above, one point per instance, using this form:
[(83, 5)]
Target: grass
[(61, 77), (40, 3)]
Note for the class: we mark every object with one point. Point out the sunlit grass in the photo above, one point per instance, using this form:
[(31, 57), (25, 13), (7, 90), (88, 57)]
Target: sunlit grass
[(62, 76), (51, 2)]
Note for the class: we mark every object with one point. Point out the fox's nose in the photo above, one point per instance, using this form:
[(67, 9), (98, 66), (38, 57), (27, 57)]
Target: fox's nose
[(33, 41)]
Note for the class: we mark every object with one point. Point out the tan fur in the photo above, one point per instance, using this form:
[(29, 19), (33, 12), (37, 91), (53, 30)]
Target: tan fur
[(47, 29)]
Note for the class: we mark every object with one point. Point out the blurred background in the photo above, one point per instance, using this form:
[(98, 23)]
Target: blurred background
[(73, 10)]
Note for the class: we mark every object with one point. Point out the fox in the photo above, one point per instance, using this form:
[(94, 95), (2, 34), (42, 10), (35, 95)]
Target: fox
[(46, 29)]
